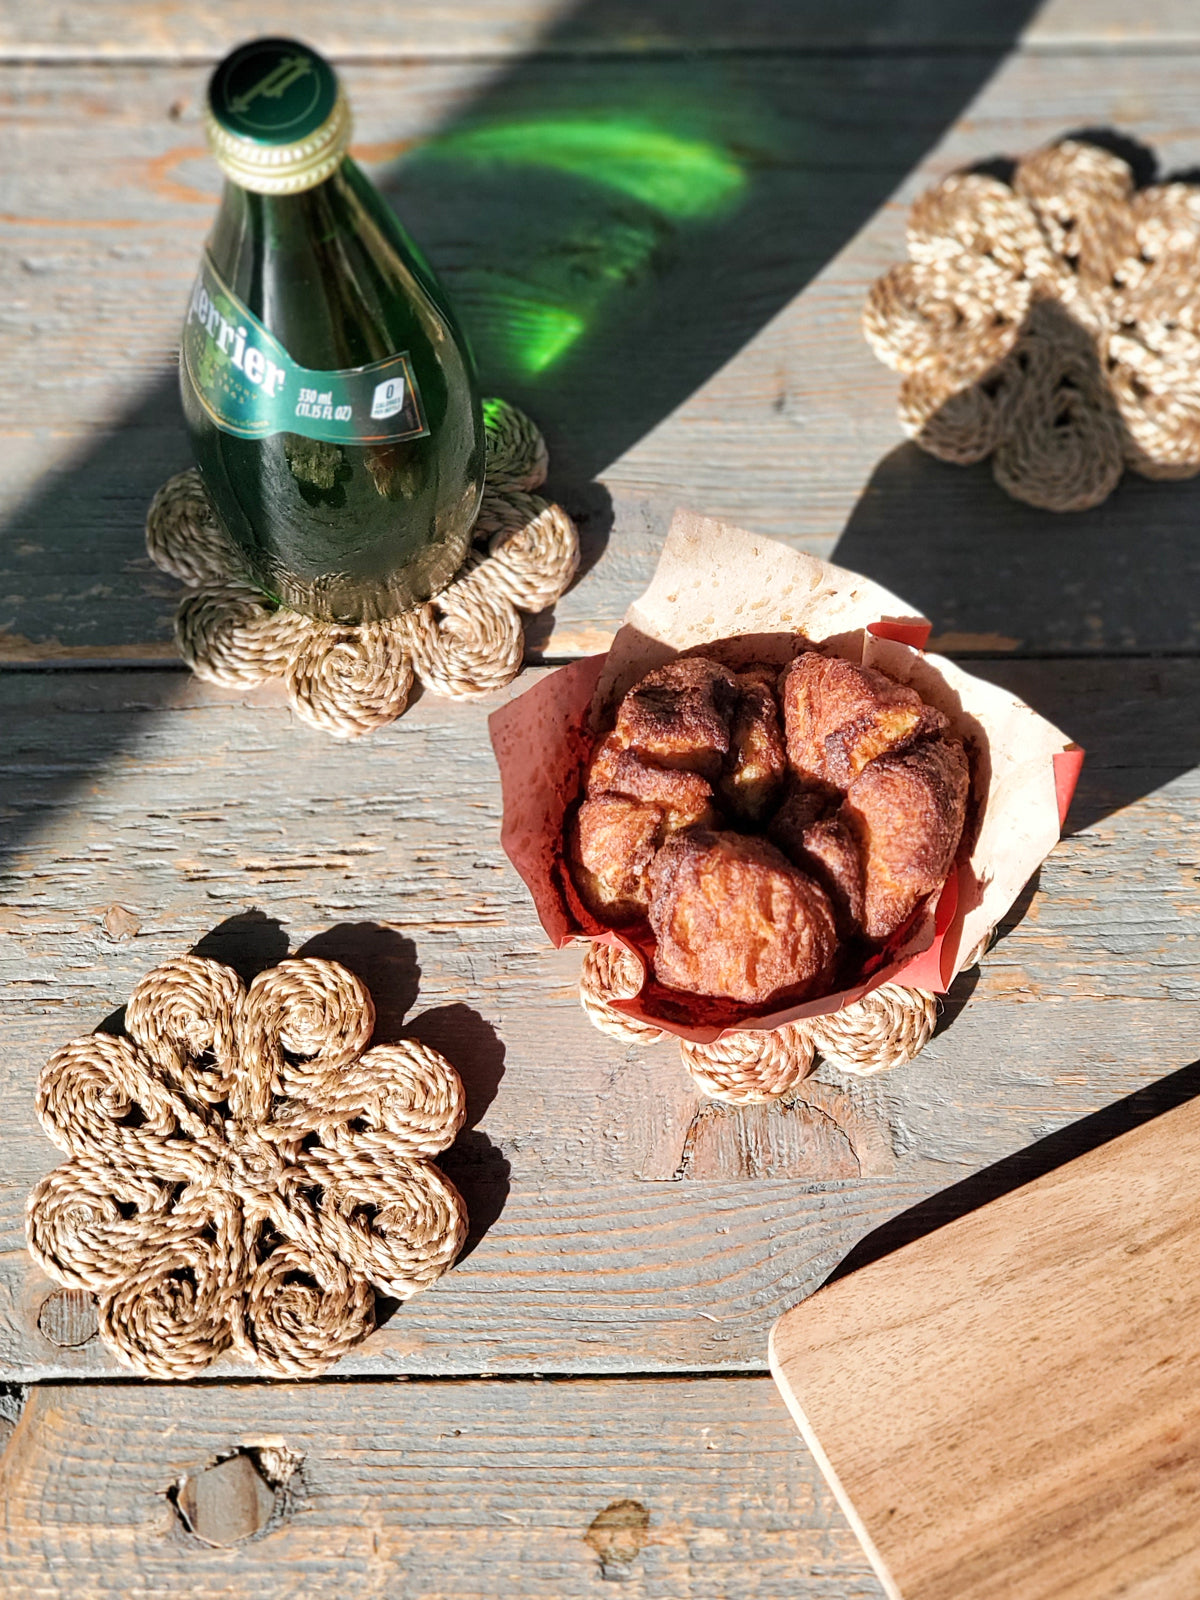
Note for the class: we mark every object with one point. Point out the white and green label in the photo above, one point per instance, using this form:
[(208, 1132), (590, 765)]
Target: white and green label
[(251, 387)]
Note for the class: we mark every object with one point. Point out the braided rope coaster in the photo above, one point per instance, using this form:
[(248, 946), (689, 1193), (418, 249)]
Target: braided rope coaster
[(466, 641), (243, 1171), (884, 1029), (1051, 324)]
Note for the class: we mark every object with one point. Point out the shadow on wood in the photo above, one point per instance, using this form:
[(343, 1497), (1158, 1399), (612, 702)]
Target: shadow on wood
[(1037, 1159), (249, 943), (386, 962), (996, 577), (614, 229)]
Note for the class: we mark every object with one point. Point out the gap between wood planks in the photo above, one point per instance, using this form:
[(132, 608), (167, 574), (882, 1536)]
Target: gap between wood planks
[(13, 1396), (135, 667), (359, 1380), (608, 54)]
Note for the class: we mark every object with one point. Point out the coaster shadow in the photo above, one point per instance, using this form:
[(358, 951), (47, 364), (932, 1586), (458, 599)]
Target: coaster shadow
[(385, 961)]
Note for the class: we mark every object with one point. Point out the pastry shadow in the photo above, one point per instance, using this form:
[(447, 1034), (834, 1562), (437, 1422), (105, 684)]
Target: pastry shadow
[(954, 1001), (1010, 589)]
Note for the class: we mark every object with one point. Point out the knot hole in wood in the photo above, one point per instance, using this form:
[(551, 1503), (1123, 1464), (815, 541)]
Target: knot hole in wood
[(240, 1496)]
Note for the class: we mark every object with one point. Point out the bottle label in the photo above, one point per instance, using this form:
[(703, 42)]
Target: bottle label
[(251, 387)]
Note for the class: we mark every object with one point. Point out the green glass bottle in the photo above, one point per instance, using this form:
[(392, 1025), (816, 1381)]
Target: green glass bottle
[(330, 397)]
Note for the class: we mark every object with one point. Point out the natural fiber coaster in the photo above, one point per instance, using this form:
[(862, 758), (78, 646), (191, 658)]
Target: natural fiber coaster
[(1051, 324), (884, 1029), (466, 641), (243, 1171)]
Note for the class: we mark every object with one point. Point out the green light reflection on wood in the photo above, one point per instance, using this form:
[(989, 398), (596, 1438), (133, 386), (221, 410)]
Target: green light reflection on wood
[(636, 183), (681, 178)]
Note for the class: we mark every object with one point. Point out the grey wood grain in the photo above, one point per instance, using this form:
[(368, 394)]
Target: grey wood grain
[(721, 366), (488, 1490), (144, 812), (145, 30)]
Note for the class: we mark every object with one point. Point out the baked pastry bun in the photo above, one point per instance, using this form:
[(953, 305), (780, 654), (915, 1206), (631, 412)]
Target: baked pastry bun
[(840, 716), (733, 917), (771, 830)]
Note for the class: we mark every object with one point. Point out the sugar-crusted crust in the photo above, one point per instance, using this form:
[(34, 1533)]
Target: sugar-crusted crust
[(613, 844), (756, 760), (679, 715), (732, 916), (840, 716), (907, 808)]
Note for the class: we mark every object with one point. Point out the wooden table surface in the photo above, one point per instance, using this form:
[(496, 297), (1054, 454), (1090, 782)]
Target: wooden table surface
[(585, 1396)]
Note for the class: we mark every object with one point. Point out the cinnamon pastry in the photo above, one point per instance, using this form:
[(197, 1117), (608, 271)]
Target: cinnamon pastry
[(840, 716), (857, 784), (732, 916)]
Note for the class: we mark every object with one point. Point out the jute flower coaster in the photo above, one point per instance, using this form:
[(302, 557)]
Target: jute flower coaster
[(884, 1029), (1051, 324), (466, 641), (243, 1171)]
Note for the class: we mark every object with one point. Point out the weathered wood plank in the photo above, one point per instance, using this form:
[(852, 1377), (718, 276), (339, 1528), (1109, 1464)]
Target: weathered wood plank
[(144, 810), (702, 375), (573, 1277), (148, 30), (696, 1487)]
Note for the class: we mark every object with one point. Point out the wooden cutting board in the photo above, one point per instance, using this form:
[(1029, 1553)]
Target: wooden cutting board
[(1009, 1408)]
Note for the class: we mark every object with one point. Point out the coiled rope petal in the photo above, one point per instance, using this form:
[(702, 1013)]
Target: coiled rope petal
[(611, 972), (183, 536), (468, 641), (885, 1029), (747, 1067), (229, 636), (349, 681)]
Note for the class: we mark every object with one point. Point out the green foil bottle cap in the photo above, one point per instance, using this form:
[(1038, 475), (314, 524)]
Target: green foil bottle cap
[(277, 122)]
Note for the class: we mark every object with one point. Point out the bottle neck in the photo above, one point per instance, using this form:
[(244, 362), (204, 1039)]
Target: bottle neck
[(329, 271), (250, 226)]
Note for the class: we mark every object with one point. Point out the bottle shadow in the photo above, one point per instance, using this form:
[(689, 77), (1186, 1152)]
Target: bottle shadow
[(615, 226)]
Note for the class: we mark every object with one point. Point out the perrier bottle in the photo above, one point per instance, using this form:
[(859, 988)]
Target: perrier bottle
[(329, 394)]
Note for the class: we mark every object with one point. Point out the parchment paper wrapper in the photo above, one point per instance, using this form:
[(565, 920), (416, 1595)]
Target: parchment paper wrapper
[(719, 583)]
